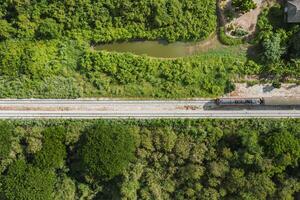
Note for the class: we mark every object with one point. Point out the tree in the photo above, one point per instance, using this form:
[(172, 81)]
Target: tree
[(53, 152), (107, 149), (24, 181), (244, 5)]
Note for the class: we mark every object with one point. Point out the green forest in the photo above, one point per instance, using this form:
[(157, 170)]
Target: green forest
[(107, 20), (156, 159)]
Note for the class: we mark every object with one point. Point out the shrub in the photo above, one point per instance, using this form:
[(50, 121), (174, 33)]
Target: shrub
[(276, 84), (244, 5), (229, 14), (251, 68), (272, 49), (239, 32)]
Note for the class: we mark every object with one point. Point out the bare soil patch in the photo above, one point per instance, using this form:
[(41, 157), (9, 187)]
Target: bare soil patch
[(246, 22), (264, 90)]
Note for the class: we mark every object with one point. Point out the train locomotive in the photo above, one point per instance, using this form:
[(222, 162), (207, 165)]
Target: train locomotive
[(261, 101)]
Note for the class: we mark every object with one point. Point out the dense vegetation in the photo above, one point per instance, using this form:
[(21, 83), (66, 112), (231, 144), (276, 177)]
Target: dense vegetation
[(55, 69), (128, 75), (279, 43), (180, 159), (108, 20)]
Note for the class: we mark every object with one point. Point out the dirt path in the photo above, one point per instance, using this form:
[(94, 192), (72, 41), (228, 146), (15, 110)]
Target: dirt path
[(264, 90), (246, 21)]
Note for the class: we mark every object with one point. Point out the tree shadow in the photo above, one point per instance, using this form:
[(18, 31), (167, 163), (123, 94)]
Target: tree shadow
[(77, 170)]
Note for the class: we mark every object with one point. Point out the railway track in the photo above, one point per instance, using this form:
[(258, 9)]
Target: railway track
[(144, 109)]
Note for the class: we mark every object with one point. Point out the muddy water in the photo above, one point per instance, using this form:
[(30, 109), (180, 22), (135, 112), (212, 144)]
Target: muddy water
[(160, 49)]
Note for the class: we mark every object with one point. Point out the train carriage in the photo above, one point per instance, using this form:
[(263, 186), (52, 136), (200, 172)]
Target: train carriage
[(281, 101), (238, 101), (267, 101)]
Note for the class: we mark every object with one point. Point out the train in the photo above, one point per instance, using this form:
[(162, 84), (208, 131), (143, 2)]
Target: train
[(260, 101)]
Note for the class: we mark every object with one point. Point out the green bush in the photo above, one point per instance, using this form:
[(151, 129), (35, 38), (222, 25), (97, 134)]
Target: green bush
[(107, 150), (244, 5), (272, 49), (251, 68), (227, 40), (239, 32), (276, 84)]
